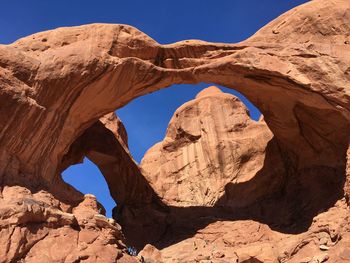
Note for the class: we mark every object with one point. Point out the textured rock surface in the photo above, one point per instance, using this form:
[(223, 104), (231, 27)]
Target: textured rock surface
[(52, 91), (347, 178), (222, 231), (105, 144), (293, 82), (249, 241), (37, 227), (34, 228), (212, 152)]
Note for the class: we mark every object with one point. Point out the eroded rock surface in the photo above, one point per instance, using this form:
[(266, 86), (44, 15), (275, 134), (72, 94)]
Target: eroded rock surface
[(213, 152), (105, 144), (34, 228), (223, 230), (53, 92), (328, 238)]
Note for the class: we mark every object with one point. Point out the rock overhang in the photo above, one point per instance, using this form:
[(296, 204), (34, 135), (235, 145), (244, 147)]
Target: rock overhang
[(295, 70)]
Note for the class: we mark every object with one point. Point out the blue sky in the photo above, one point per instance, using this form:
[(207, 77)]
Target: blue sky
[(145, 118)]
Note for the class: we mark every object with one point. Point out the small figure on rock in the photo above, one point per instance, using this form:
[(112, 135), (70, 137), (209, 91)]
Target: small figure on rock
[(132, 251)]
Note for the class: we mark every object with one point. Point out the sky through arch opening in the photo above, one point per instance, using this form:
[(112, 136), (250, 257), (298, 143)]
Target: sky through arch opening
[(88, 179), (146, 118)]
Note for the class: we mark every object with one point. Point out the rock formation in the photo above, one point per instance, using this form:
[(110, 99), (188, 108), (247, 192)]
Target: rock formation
[(217, 124), (34, 229), (212, 152), (34, 226), (250, 241), (53, 93), (105, 144)]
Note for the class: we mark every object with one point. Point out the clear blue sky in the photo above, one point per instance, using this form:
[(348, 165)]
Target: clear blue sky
[(166, 21)]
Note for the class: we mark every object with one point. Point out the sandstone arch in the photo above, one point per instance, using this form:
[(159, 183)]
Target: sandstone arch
[(63, 88), (56, 84)]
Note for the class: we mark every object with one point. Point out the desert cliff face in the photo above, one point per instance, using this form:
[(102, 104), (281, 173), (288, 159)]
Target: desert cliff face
[(292, 168)]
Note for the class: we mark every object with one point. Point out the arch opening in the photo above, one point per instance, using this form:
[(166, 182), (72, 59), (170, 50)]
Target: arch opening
[(142, 206), (146, 118), (88, 179), (294, 78), (291, 201)]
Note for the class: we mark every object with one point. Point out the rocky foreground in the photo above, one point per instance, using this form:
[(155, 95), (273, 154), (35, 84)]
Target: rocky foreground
[(220, 187)]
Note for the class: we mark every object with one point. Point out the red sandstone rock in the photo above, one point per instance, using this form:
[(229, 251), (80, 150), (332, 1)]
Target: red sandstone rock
[(295, 69), (249, 241), (347, 176), (150, 254), (33, 229), (105, 144), (213, 153), (216, 238)]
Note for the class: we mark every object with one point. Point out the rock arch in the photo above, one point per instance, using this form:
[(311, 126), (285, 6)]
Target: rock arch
[(57, 84), (57, 89)]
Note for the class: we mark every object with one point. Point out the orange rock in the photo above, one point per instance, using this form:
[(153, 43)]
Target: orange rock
[(211, 154), (53, 92), (150, 254)]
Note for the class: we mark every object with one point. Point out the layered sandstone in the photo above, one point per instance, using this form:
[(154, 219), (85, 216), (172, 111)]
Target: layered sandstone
[(293, 82), (213, 152), (222, 231), (53, 93)]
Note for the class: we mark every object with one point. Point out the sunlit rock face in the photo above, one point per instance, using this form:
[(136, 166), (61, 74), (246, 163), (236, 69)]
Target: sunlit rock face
[(39, 226), (35, 228), (56, 85), (212, 153)]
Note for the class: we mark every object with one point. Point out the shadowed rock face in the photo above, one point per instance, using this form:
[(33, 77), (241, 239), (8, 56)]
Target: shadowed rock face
[(220, 173), (211, 142), (53, 93), (105, 144)]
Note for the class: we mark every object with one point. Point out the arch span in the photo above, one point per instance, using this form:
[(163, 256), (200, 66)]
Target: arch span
[(301, 89), (56, 85)]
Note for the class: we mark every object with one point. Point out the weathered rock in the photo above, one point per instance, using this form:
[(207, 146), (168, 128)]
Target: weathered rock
[(215, 237), (52, 91), (150, 254), (33, 229), (105, 144), (249, 241), (48, 76), (39, 228), (347, 176), (214, 153)]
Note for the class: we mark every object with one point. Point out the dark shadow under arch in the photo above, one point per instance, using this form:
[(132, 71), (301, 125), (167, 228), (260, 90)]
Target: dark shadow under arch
[(146, 220)]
